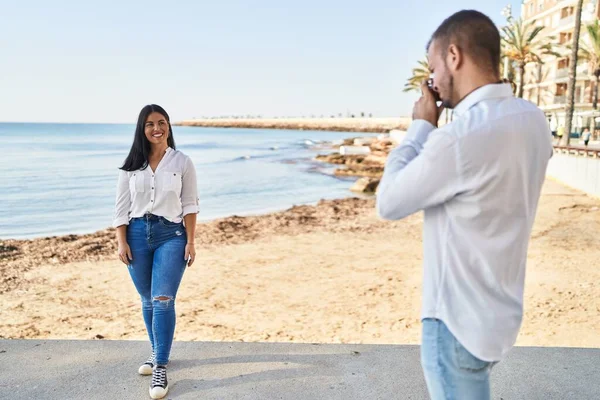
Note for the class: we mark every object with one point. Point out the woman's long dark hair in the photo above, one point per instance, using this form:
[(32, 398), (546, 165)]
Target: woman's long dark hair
[(140, 149)]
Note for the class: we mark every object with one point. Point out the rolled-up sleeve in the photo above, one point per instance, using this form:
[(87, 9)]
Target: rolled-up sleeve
[(189, 189), (420, 173), (123, 201)]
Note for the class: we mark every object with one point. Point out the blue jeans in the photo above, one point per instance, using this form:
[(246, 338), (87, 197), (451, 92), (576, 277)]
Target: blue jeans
[(158, 250), (451, 372)]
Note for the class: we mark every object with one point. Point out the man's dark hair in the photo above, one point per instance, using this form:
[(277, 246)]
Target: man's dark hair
[(475, 34)]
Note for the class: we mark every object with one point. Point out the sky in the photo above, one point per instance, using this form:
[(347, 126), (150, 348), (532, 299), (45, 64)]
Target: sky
[(101, 62)]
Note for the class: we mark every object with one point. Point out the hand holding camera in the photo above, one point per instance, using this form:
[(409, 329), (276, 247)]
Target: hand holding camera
[(436, 95), (426, 107)]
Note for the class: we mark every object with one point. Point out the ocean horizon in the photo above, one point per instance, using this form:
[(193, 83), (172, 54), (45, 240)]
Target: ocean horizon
[(60, 178)]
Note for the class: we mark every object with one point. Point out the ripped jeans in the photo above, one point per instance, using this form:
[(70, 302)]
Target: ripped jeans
[(158, 250)]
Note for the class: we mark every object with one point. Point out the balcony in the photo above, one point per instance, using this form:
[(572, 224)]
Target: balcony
[(565, 22), (582, 70), (562, 73), (560, 100)]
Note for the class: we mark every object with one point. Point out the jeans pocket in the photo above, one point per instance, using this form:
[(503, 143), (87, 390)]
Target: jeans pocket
[(467, 361), (168, 223)]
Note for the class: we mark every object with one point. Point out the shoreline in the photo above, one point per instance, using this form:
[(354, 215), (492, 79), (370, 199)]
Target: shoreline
[(327, 154), (18, 256), (366, 125)]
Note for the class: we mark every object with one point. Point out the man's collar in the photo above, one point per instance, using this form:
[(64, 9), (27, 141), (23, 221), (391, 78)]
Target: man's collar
[(486, 92)]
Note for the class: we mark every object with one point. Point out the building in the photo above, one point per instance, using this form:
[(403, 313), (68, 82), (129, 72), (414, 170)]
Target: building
[(546, 84)]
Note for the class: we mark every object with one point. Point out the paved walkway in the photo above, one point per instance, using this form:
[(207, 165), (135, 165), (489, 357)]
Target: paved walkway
[(32, 369)]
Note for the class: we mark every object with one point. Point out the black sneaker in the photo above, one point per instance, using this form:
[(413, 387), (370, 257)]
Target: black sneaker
[(146, 368), (159, 385)]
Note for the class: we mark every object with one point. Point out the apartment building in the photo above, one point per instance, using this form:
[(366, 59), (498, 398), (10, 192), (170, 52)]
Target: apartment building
[(546, 84)]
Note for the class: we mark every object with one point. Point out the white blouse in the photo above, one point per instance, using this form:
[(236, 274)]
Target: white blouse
[(170, 192)]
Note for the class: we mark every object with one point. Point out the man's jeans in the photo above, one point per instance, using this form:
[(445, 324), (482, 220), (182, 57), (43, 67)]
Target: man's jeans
[(451, 372)]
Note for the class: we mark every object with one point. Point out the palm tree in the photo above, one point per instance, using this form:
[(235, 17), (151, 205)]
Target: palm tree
[(573, 73), (544, 94), (536, 80), (419, 75), (590, 51), (523, 44), (507, 70)]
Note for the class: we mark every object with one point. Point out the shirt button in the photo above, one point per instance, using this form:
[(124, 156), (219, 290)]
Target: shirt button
[(152, 188), (152, 201)]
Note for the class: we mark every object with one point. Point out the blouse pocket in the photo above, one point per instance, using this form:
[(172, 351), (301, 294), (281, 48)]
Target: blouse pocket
[(136, 182), (172, 182)]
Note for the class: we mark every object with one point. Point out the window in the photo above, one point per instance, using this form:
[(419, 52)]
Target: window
[(565, 37), (587, 93), (563, 63), (561, 89), (567, 12)]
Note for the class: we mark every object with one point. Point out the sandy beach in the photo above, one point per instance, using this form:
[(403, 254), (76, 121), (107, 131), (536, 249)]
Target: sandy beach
[(331, 273)]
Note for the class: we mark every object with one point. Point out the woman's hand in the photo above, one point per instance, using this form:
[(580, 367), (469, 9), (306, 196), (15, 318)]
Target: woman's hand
[(124, 253), (190, 254)]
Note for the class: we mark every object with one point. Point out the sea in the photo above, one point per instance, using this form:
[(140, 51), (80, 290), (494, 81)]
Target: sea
[(58, 179)]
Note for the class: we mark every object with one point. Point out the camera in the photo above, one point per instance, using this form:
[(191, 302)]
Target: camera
[(436, 95)]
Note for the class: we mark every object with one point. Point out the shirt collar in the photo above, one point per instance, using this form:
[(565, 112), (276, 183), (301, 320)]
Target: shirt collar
[(486, 92)]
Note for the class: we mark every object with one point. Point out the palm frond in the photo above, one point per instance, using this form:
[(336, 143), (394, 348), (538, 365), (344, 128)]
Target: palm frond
[(522, 42), (419, 74)]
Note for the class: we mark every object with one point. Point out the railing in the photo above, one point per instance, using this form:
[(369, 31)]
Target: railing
[(578, 167), (562, 73), (578, 150), (570, 20), (582, 70), (560, 99)]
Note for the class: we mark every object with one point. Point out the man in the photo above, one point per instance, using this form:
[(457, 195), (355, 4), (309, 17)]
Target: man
[(479, 180), (553, 126), (560, 133), (586, 135)]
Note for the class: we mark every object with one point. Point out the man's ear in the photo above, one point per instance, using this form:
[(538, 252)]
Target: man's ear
[(455, 57)]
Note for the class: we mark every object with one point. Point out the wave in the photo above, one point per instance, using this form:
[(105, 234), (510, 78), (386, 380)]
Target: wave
[(252, 157)]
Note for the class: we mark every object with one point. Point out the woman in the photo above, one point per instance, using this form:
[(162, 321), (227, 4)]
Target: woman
[(155, 217)]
